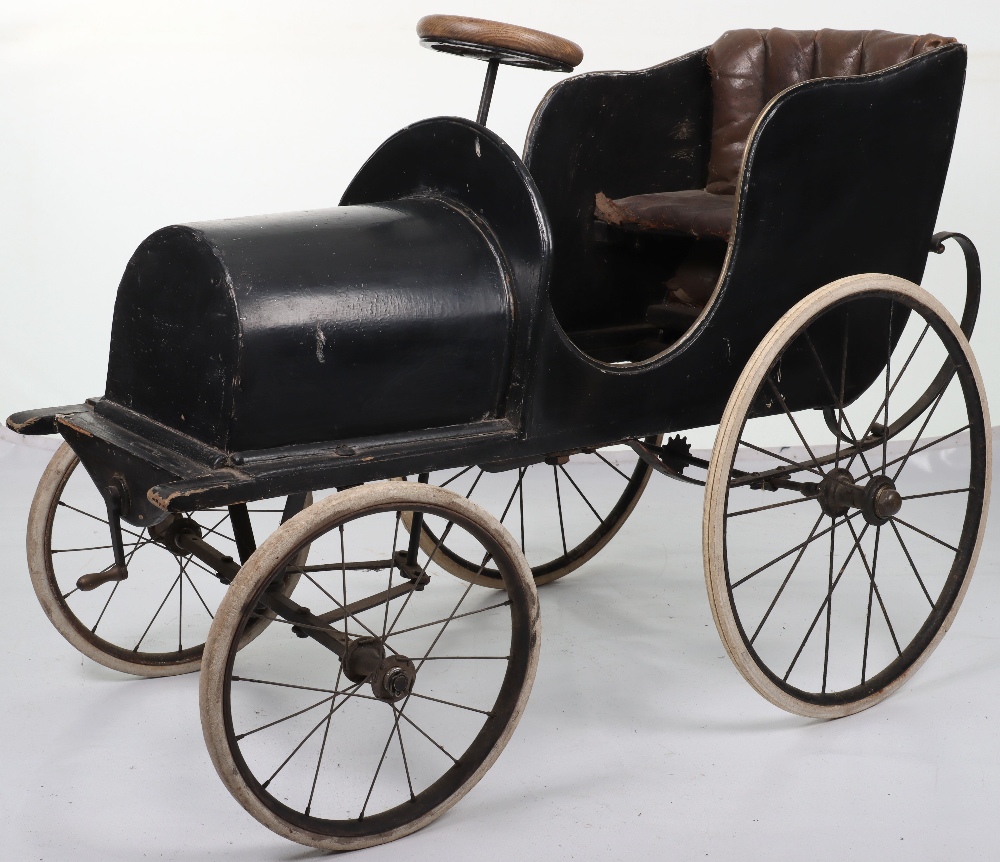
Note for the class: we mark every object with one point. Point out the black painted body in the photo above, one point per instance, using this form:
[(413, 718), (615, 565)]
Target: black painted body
[(423, 324), (305, 327)]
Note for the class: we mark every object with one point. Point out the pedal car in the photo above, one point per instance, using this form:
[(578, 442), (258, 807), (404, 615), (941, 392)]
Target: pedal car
[(472, 340)]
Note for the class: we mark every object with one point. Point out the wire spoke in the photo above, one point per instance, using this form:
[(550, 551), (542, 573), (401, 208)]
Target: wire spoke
[(322, 748), (778, 457), (450, 703), (198, 565), (440, 542), (457, 617), (180, 607), (822, 607), (513, 495), (913, 565), (899, 520), (400, 714), (287, 717), (295, 751), (842, 419), (613, 467), (520, 483), (874, 586), (378, 769), (114, 589), (578, 491), (788, 553), (829, 607), (771, 506), (913, 451), (451, 616), (339, 605), (868, 616), (468, 494), (197, 593), (392, 556), (406, 763), (456, 476), (937, 493), (562, 523), (96, 518), (892, 389), (285, 685), (885, 423), (791, 418), (843, 388), (160, 608), (94, 548), (788, 577)]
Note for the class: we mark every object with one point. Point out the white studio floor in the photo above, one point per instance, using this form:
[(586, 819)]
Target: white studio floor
[(640, 741)]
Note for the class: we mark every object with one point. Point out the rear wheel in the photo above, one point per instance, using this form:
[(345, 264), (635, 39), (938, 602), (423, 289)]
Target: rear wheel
[(836, 565), (562, 512)]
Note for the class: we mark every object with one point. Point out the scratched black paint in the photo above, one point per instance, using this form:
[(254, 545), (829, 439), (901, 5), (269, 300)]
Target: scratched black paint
[(423, 325)]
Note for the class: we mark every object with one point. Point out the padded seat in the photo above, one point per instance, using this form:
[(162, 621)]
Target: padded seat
[(748, 68), (694, 212)]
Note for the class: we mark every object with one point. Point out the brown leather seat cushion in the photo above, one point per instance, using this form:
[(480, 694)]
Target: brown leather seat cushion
[(694, 212), (750, 67)]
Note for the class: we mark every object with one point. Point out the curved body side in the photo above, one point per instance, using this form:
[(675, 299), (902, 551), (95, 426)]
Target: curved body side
[(841, 176)]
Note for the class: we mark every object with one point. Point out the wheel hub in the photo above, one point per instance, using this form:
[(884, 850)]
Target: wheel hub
[(363, 658), (878, 500), (391, 676), (394, 679)]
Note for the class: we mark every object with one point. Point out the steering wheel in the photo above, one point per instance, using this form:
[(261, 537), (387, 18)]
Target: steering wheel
[(501, 43)]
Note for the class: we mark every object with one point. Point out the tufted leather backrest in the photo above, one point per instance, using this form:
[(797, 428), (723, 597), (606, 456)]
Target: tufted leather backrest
[(750, 67)]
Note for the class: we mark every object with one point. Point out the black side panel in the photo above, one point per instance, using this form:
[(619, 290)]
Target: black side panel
[(843, 176), (175, 338), (621, 133)]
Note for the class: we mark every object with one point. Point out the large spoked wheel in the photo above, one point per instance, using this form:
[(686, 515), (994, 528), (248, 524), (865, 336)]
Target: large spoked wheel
[(154, 623), (835, 566), (376, 704), (562, 512)]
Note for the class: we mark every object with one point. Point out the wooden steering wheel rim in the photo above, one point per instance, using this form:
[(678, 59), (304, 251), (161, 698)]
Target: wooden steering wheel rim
[(486, 40)]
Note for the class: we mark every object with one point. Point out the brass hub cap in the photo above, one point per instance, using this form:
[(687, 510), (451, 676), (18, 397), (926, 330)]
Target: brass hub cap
[(878, 500)]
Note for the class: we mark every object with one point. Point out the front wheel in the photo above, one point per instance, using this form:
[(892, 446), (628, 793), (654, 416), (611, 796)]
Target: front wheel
[(154, 622), (835, 565), (382, 695)]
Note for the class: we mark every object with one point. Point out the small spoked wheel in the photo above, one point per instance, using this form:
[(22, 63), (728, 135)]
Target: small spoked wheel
[(836, 564), (562, 511), (387, 688), (153, 623)]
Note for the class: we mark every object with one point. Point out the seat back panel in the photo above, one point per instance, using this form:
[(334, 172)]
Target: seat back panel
[(750, 67)]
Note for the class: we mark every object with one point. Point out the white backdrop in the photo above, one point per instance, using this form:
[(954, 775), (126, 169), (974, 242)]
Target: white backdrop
[(120, 117)]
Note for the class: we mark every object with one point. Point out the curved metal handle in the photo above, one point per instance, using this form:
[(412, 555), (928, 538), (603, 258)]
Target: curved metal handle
[(973, 275), (973, 291)]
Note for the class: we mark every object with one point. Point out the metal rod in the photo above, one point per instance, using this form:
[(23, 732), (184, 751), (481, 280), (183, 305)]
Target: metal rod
[(246, 544), (487, 97), (417, 524)]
